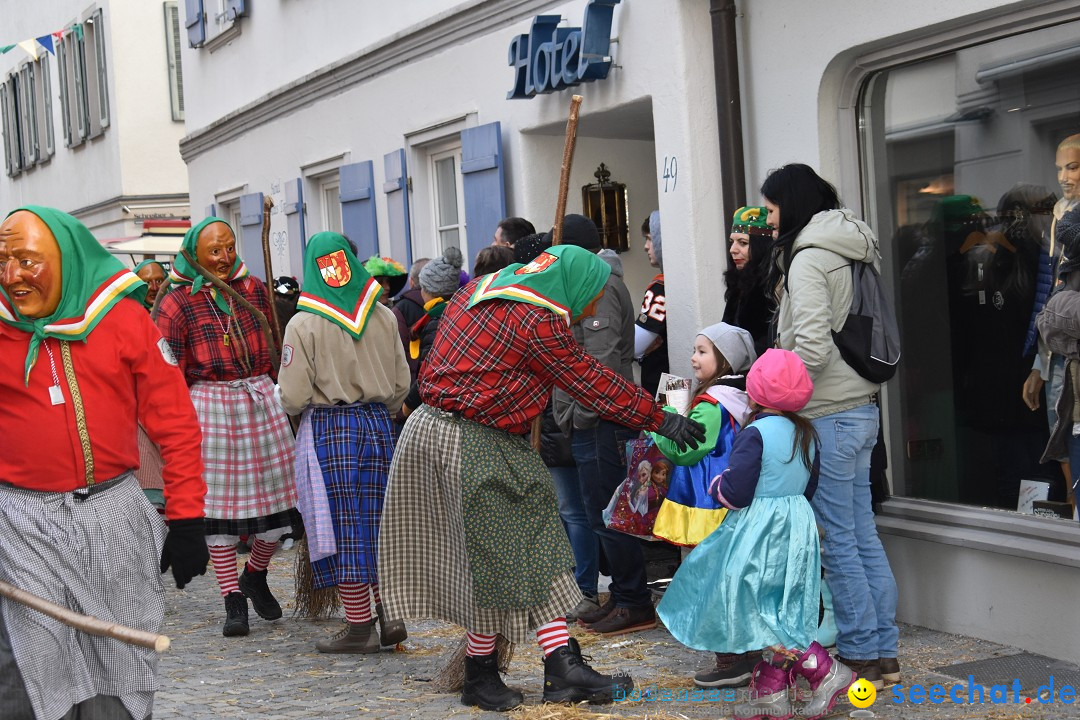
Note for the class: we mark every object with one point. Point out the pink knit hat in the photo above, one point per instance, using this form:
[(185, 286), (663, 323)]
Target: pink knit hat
[(779, 381)]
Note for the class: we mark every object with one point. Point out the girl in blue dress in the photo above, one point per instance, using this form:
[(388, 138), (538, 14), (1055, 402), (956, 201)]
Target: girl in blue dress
[(754, 582)]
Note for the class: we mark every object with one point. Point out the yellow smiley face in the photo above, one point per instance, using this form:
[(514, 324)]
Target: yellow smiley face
[(862, 693)]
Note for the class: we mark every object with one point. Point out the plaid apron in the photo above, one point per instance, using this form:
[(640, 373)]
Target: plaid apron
[(425, 566), (354, 444), (149, 472), (98, 555), (247, 452)]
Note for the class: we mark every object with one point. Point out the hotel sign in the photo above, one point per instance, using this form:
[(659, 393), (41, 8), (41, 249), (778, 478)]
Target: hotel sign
[(552, 58)]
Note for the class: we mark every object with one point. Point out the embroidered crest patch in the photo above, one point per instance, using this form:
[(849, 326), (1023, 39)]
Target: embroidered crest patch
[(286, 355), (541, 262), (335, 269), (166, 351)]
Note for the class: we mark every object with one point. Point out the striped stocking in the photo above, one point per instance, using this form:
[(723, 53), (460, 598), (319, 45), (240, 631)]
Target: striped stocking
[(553, 635), (224, 560), (479, 645), (354, 596), (261, 552)]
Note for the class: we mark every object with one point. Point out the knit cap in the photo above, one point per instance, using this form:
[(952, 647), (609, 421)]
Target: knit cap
[(527, 248), (750, 220), (734, 343), (577, 230), (779, 381), (441, 276)]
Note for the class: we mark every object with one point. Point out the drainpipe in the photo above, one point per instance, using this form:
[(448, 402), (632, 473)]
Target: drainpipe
[(728, 108)]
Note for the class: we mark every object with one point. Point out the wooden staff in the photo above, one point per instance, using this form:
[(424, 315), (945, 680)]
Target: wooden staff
[(560, 211), (567, 161), (268, 203), (224, 287), (85, 623)]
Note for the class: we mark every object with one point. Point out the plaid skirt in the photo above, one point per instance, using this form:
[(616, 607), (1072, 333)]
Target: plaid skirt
[(96, 554), (355, 445), (425, 566), (247, 452)]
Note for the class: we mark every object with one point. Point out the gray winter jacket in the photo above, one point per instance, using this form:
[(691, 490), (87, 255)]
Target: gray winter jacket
[(817, 301), (608, 336)]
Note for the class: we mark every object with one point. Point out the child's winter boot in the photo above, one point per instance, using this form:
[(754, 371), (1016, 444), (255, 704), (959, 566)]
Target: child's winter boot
[(827, 677), (769, 697)]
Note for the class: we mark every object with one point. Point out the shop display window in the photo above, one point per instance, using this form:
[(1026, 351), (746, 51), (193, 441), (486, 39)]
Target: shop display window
[(961, 182)]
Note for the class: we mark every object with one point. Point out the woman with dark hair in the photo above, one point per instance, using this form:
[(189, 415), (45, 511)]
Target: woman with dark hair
[(749, 304), (818, 241)]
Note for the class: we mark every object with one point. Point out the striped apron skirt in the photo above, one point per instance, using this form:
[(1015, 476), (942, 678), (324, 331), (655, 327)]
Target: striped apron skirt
[(95, 551), (247, 450), (471, 532), (354, 445)]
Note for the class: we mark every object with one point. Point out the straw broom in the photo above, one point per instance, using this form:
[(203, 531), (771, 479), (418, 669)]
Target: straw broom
[(451, 678)]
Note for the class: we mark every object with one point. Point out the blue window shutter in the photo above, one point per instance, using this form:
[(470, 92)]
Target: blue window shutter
[(358, 220), (234, 9), (483, 185), (250, 247), (195, 21), (294, 216), (397, 207), (211, 210)]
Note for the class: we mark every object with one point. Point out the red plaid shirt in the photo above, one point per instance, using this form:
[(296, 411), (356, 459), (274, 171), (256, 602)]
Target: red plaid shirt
[(195, 327), (497, 363)]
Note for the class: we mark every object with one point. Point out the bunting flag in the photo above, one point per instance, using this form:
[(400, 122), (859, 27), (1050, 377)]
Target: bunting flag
[(47, 42), (31, 48)]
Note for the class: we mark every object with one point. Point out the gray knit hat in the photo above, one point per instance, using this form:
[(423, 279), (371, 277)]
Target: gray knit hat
[(734, 343), (440, 276)]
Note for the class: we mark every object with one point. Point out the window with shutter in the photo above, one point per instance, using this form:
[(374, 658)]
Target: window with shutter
[(95, 73), (483, 183), (45, 114), (15, 142), (10, 164), (358, 219), (172, 52), (397, 206), (28, 115), (63, 73), (249, 243), (195, 22)]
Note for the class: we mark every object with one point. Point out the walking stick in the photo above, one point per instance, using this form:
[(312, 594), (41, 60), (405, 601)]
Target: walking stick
[(85, 623), (224, 287), (560, 211), (268, 203)]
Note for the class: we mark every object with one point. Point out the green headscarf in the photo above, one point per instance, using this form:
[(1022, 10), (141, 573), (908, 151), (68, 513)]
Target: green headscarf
[(148, 263), (336, 286), (183, 273), (563, 278), (91, 282)]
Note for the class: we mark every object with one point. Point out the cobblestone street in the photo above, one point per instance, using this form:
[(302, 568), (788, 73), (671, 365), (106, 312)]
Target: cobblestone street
[(275, 673)]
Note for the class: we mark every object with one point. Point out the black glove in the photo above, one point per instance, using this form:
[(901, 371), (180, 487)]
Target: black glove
[(682, 431), (185, 550)]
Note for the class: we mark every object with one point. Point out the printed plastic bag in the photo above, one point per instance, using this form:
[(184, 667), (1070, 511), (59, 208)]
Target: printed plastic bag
[(636, 501)]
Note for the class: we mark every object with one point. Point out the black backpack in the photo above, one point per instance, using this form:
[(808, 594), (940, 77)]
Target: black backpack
[(869, 341)]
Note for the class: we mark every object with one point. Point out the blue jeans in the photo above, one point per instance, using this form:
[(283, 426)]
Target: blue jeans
[(583, 540), (600, 454), (856, 568)]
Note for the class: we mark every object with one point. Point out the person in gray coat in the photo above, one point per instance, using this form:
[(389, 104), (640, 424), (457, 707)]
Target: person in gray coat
[(598, 447)]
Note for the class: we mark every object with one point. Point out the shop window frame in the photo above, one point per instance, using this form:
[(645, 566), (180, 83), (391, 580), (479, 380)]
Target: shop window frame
[(842, 156)]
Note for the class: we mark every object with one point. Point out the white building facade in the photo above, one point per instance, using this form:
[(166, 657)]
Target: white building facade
[(392, 123), (92, 125)]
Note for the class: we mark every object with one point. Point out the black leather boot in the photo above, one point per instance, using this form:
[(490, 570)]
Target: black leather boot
[(483, 686), (253, 585), (236, 615), (568, 679)]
